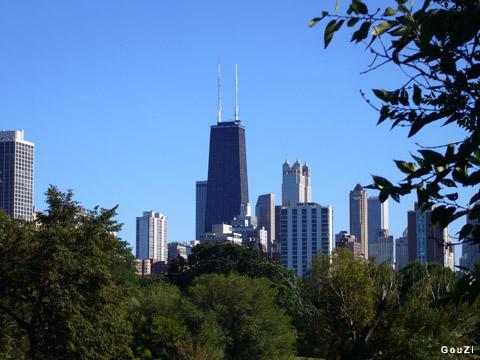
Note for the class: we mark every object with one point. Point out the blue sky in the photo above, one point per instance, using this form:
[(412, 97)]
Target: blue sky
[(119, 97)]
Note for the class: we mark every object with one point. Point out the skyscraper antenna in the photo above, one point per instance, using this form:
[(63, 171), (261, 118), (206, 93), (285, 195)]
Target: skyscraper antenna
[(236, 95), (219, 116)]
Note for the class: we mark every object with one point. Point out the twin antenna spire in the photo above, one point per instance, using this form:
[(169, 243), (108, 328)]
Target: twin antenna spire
[(219, 116)]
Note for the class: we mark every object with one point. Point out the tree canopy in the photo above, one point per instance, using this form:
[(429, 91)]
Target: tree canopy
[(56, 287)]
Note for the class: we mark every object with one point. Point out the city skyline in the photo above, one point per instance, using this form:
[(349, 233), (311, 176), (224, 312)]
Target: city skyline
[(106, 90)]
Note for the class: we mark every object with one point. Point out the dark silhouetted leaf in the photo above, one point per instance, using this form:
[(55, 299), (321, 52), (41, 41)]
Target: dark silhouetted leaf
[(329, 30)]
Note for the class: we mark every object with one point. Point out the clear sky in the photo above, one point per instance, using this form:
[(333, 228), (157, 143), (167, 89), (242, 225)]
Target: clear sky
[(119, 96)]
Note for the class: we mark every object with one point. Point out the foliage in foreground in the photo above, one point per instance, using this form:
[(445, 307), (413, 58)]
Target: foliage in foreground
[(369, 311), (68, 291), (436, 46), (57, 294)]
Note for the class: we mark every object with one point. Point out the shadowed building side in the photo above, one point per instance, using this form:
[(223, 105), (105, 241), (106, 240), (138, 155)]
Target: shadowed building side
[(227, 173)]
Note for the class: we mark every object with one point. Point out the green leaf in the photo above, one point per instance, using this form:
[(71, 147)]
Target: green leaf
[(382, 94), (406, 167), (383, 196), (433, 157), (417, 95), (384, 26), (361, 33), (466, 230), (352, 21), (316, 20), (389, 12), (448, 182), (450, 152), (381, 182), (329, 30), (475, 198), (362, 8), (452, 197)]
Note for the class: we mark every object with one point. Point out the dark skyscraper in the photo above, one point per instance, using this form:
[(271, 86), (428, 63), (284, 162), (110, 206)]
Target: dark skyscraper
[(227, 173), (227, 169)]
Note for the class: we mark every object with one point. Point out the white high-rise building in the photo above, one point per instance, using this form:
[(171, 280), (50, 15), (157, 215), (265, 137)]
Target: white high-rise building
[(306, 231), (296, 186), (16, 175), (152, 236)]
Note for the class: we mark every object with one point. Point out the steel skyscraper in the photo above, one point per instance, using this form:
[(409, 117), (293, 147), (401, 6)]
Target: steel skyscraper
[(227, 180)]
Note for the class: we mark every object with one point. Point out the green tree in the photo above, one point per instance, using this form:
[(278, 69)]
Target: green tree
[(437, 46), (362, 310), (255, 328), (348, 301), (56, 285), (168, 326), (226, 258)]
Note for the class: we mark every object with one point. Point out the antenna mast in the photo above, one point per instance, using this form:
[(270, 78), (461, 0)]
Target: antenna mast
[(219, 116), (236, 95)]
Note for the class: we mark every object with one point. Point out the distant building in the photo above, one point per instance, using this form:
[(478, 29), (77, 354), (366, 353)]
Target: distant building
[(200, 205), (470, 251), (306, 232), (401, 251), (246, 225), (265, 213), (426, 242), (359, 217), (182, 249), (152, 235), (16, 175), (377, 217), (221, 233), (382, 247), (175, 250), (345, 240), (296, 187)]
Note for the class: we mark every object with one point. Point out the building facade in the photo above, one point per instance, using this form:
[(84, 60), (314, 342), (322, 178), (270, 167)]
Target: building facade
[(296, 186), (152, 236), (200, 205), (470, 251), (427, 242), (359, 217), (382, 248), (16, 175), (227, 173), (265, 213), (221, 233), (306, 232), (401, 251), (377, 217), (345, 240)]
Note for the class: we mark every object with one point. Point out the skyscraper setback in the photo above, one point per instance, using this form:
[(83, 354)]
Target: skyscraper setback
[(16, 175), (227, 186)]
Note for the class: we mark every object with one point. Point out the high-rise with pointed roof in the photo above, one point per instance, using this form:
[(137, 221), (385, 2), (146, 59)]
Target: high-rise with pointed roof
[(359, 217), (296, 186), (227, 168)]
